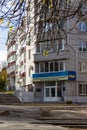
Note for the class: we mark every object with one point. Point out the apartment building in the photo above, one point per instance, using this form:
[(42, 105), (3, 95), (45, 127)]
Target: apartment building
[(52, 72), (18, 64), (11, 58)]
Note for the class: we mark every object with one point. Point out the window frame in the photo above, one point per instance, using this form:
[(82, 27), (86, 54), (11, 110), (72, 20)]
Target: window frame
[(82, 90), (82, 46), (41, 49), (62, 43), (49, 62), (82, 26), (47, 26), (83, 66)]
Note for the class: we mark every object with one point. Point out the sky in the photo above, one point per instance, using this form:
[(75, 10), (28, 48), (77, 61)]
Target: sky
[(3, 48)]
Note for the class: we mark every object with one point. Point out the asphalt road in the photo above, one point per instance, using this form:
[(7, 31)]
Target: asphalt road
[(27, 117), (22, 118)]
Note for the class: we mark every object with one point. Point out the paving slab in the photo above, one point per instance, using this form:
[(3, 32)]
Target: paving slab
[(26, 126)]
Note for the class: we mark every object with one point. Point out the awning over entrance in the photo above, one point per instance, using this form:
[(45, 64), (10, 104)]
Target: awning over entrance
[(54, 76)]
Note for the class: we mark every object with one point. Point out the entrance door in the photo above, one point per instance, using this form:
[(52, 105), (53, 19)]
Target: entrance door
[(53, 93), (50, 93)]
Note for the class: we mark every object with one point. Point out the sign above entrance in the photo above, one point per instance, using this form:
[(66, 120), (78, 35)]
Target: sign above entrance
[(54, 76)]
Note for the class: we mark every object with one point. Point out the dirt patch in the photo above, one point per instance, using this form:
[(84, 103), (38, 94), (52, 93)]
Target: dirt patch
[(69, 114), (4, 113), (76, 129)]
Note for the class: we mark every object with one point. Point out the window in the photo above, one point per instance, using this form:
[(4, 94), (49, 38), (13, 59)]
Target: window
[(47, 27), (29, 88), (82, 89), (43, 46), (50, 66), (38, 89), (37, 67), (56, 65), (46, 45), (61, 65), (83, 46), (84, 8), (29, 53), (52, 92), (38, 47), (51, 83), (46, 67), (47, 92), (83, 67), (61, 44), (16, 68), (82, 26), (23, 68), (42, 67), (55, 46)]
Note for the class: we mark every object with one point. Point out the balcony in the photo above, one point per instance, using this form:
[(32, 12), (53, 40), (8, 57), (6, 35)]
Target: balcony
[(23, 74), (51, 56), (11, 69), (54, 76)]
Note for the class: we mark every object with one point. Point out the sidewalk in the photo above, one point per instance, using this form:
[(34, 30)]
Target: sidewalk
[(26, 126)]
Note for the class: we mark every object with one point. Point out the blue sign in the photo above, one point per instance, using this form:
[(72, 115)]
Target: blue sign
[(71, 75), (54, 76)]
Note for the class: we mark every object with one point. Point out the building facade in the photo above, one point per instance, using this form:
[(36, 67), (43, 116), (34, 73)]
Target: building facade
[(51, 72), (11, 59)]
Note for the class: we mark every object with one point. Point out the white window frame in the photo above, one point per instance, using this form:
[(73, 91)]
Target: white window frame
[(83, 67), (83, 86), (84, 8), (82, 26), (82, 45), (49, 66), (53, 66), (46, 44), (63, 45)]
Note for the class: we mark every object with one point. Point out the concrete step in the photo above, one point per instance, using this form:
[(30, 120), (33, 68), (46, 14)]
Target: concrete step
[(9, 99)]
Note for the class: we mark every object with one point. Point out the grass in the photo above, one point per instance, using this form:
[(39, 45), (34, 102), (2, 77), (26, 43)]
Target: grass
[(9, 92)]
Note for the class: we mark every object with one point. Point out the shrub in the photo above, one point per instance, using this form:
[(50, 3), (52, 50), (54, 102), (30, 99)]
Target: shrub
[(9, 92), (69, 102)]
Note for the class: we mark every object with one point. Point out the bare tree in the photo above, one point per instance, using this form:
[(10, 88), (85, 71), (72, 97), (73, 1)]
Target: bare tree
[(53, 15)]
